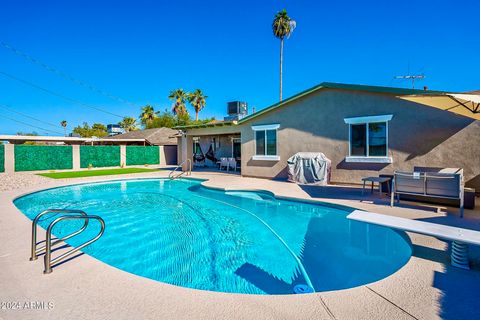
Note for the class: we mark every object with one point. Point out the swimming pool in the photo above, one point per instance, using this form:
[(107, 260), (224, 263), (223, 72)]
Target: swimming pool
[(179, 232)]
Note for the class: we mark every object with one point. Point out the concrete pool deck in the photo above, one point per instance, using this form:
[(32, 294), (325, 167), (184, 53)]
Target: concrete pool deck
[(427, 287)]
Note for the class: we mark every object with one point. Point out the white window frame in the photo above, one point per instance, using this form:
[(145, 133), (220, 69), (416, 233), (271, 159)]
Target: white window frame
[(367, 120), (266, 127)]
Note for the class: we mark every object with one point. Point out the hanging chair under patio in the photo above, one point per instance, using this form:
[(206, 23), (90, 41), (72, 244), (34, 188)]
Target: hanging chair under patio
[(210, 155), (198, 156)]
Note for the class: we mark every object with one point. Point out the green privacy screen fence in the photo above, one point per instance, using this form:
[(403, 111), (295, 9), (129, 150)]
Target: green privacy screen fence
[(99, 156), (142, 155), (2, 158), (35, 157), (29, 158)]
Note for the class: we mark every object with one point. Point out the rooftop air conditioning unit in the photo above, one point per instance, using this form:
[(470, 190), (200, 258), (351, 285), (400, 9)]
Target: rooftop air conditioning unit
[(236, 110)]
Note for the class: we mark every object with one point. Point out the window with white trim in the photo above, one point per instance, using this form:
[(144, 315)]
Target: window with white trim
[(368, 139), (266, 142)]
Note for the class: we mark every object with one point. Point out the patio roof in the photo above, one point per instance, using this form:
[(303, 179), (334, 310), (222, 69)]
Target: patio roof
[(467, 105), (208, 125)]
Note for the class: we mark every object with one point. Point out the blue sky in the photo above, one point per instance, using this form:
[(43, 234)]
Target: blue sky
[(140, 50)]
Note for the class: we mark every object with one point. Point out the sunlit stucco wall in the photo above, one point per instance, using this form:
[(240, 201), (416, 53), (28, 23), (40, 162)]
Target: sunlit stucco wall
[(419, 136)]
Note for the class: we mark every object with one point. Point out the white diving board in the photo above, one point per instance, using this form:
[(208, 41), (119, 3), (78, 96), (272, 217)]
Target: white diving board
[(460, 237)]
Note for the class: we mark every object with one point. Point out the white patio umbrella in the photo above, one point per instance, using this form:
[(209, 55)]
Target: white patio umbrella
[(464, 104)]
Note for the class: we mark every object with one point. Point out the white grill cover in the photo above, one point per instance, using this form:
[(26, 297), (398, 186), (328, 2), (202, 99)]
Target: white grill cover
[(309, 168)]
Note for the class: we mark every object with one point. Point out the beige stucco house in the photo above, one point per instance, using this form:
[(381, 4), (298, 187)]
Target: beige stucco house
[(363, 130)]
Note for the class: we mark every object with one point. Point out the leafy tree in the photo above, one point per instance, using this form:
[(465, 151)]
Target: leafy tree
[(180, 97), (99, 127), (96, 130), (148, 115), (27, 133), (282, 27), (201, 121), (128, 124), (169, 120), (183, 119), (198, 101), (63, 123), (165, 119), (32, 134)]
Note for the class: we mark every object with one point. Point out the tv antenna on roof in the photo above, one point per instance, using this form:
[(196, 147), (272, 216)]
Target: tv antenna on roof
[(412, 77)]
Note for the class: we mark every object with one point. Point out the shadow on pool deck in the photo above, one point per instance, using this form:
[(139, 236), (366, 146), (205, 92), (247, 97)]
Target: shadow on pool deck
[(459, 292), (459, 288)]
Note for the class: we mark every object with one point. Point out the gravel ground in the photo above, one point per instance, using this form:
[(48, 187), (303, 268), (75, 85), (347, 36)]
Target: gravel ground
[(20, 180)]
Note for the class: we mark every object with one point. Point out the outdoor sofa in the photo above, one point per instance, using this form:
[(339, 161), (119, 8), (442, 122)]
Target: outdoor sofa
[(446, 184)]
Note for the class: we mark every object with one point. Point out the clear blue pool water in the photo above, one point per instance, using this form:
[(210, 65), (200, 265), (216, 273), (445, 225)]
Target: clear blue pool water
[(184, 234)]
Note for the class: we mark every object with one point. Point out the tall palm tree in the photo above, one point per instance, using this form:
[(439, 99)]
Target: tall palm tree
[(63, 123), (179, 96), (282, 26), (147, 115), (198, 100), (128, 124)]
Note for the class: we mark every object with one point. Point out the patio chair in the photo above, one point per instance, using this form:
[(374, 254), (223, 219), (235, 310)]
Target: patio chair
[(232, 164), (223, 163)]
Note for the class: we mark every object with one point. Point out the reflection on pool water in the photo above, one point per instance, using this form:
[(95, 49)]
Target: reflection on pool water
[(182, 233)]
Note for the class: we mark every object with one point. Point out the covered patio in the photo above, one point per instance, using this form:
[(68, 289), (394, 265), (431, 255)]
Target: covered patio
[(218, 148)]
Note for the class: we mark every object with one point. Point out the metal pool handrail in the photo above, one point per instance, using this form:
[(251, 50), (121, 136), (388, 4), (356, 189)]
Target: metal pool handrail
[(34, 250), (188, 172), (48, 261)]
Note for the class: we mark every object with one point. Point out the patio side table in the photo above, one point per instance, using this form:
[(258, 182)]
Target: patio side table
[(378, 180)]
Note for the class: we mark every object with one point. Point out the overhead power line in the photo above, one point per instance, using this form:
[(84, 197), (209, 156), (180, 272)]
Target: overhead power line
[(58, 94), (65, 75), (31, 125), (8, 108)]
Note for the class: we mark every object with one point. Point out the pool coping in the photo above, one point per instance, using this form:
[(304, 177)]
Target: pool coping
[(311, 302)]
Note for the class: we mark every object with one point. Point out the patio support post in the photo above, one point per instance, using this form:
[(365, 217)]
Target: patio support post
[(187, 151)]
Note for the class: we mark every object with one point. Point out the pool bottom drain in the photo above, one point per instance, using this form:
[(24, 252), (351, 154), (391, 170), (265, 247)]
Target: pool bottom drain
[(302, 288)]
